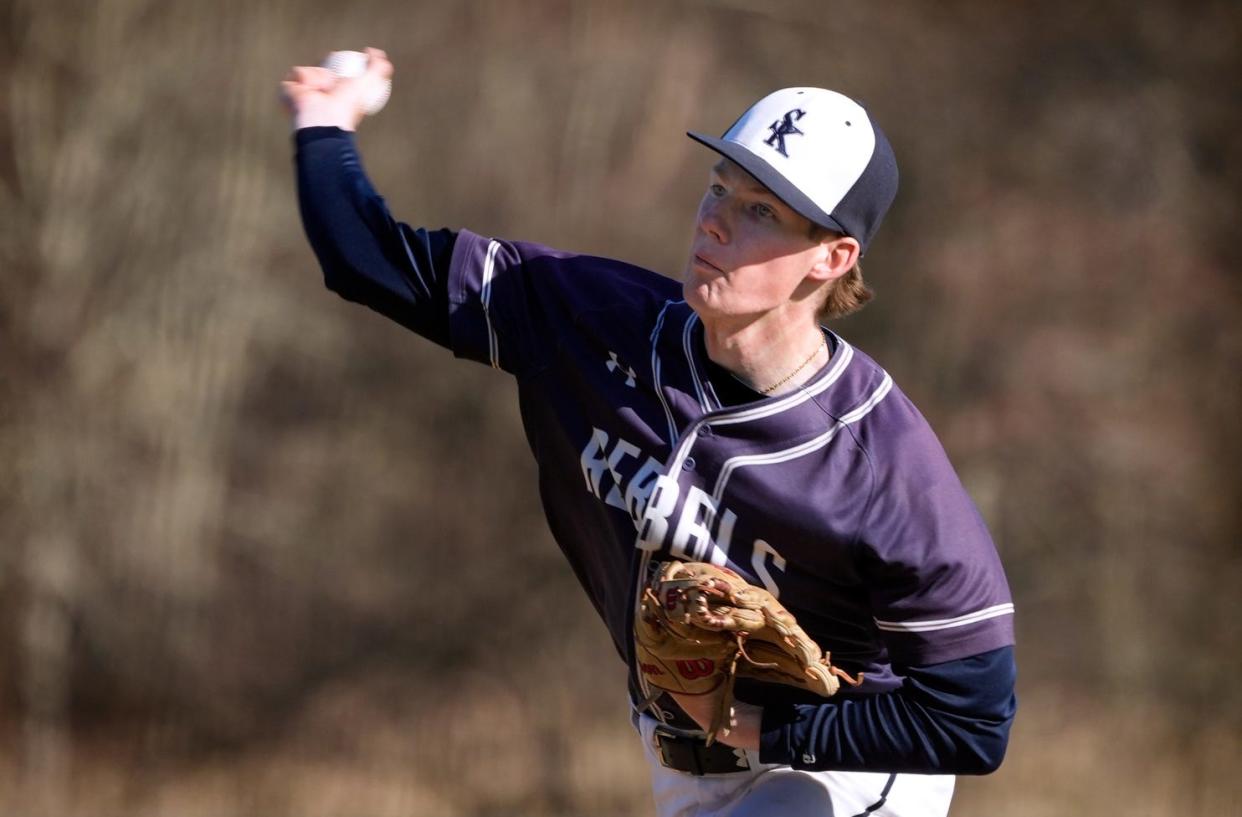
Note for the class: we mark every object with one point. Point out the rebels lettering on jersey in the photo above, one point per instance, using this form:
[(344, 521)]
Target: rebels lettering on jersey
[(837, 498)]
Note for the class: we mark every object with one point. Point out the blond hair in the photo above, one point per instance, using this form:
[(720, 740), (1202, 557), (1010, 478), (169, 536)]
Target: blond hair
[(847, 294)]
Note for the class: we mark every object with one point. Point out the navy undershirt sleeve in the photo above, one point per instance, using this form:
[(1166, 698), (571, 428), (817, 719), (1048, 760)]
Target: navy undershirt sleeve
[(951, 718), (366, 255)]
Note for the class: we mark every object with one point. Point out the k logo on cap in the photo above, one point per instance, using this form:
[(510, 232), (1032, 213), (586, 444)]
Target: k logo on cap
[(784, 127)]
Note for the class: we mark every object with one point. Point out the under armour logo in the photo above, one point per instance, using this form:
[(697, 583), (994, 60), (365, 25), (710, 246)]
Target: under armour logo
[(808, 758), (614, 364), (784, 127), (742, 762)]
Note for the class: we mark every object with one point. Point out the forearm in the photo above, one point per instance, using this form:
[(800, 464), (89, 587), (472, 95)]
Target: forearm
[(952, 718)]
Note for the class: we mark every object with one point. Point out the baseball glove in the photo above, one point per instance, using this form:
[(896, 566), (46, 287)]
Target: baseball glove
[(700, 626)]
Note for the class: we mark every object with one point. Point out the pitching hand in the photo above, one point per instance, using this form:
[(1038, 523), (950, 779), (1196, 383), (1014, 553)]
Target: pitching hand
[(315, 96)]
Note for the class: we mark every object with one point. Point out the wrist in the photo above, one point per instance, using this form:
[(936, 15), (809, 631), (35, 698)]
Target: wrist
[(747, 728), (743, 727), (325, 116), (311, 121)]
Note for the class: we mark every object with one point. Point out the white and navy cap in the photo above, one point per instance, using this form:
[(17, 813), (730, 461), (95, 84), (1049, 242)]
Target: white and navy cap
[(820, 153)]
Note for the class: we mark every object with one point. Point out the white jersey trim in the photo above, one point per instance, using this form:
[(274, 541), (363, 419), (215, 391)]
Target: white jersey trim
[(656, 369), (838, 365), (489, 268), (814, 444), (694, 371), (946, 623)]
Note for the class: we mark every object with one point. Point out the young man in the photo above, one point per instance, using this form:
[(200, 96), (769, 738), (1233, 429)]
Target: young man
[(717, 420)]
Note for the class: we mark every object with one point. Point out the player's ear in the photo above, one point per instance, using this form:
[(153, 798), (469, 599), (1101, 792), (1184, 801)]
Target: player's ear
[(837, 254)]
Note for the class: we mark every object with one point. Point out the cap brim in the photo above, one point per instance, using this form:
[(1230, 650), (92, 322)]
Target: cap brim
[(767, 175)]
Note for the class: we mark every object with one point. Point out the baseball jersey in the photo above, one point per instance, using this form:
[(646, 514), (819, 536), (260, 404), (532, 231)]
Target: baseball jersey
[(836, 497)]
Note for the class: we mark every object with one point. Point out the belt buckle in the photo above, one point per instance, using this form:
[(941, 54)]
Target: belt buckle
[(663, 743), (688, 758)]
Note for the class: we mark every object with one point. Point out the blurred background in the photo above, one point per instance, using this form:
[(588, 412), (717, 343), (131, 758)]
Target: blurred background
[(243, 523)]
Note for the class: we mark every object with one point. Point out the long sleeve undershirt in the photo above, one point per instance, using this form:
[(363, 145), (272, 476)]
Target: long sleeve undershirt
[(951, 717)]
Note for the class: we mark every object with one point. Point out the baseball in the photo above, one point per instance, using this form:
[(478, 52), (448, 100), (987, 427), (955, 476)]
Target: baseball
[(350, 64)]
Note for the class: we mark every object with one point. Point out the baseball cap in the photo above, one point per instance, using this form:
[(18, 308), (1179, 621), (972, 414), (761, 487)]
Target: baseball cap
[(820, 153)]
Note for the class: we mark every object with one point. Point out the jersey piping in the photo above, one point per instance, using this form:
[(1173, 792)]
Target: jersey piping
[(655, 371), (946, 623), (842, 360), (802, 449), (489, 267), (686, 336), (845, 353)]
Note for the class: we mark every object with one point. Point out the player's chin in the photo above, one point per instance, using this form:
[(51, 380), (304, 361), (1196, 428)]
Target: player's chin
[(698, 295)]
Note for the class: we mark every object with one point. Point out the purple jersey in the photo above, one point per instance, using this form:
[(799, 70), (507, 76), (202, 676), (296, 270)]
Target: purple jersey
[(837, 498)]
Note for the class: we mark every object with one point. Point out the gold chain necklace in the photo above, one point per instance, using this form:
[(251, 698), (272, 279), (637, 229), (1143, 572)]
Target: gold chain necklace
[(822, 343)]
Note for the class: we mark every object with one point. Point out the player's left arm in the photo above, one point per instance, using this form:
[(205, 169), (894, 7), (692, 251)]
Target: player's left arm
[(942, 606), (949, 718)]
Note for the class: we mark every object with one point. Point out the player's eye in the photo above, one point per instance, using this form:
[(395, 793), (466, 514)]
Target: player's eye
[(763, 211), (716, 190)]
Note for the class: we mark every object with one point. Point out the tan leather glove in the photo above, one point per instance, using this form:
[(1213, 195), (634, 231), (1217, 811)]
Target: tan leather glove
[(700, 626)]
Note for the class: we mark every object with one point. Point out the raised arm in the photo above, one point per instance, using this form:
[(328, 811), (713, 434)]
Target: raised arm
[(367, 256)]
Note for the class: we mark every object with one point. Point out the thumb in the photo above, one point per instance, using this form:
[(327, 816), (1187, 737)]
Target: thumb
[(378, 63)]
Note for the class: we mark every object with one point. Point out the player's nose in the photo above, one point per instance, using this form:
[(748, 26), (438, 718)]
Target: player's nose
[(712, 220)]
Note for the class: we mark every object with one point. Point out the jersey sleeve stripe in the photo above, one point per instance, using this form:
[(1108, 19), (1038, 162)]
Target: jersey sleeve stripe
[(946, 623), (489, 268)]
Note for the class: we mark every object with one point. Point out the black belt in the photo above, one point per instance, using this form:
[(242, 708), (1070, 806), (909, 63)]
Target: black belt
[(684, 753), (693, 755)]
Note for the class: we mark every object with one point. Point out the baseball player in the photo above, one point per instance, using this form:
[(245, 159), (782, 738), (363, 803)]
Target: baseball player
[(716, 419)]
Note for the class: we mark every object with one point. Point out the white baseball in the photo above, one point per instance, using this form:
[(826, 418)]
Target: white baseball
[(350, 64)]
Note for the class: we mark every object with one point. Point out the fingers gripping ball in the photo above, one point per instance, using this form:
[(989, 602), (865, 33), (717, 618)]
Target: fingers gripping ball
[(352, 64), (700, 626)]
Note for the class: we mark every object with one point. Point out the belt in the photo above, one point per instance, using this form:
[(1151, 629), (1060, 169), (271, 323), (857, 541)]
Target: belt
[(693, 755), (682, 752)]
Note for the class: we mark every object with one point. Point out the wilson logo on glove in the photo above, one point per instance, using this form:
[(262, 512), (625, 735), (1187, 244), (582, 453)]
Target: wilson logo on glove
[(699, 668)]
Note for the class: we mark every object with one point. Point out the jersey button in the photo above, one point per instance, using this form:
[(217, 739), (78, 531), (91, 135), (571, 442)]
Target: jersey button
[(705, 430), (688, 464)]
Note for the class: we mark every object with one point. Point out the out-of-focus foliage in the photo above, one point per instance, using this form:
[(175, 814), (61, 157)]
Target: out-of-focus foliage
[(242, 522)]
